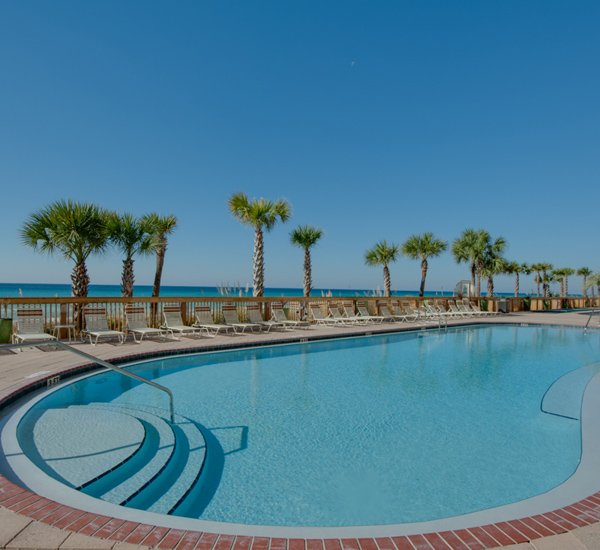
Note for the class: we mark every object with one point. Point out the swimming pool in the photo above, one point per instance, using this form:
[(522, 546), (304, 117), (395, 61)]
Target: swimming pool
[(378, 430)]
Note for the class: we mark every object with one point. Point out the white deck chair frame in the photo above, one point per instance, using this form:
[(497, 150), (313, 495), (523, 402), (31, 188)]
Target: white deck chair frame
[(255, 317), (231, 318), (137, 323), (96, 326), (173, 322), (205, 320), (30, 326), (279, 316)]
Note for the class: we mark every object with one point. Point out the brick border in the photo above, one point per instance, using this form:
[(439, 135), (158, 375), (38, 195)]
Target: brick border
[(506, 533)]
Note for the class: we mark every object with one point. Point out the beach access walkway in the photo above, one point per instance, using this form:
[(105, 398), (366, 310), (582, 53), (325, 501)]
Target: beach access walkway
[(31, 522)]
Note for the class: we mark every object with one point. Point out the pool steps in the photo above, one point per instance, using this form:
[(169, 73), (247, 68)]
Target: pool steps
[(162, 472)]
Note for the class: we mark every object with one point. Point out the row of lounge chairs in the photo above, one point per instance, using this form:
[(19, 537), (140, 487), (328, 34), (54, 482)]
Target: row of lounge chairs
[(31, 321)]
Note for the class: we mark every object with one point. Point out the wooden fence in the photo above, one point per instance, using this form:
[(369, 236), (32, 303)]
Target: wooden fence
[(62, 311)]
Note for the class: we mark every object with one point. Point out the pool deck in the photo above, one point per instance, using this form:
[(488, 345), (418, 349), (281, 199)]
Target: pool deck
[(31, 521)]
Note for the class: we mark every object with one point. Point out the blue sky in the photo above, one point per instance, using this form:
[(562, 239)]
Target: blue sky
[(373, 119)]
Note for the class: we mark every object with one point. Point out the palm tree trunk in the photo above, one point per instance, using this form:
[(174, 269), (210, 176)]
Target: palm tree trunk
[(387, 281), (127, 279), (566, 285), (473, 274), (584, 289), (537, 280), (516, 284), (307, 273), (79, 289), (478, 270), (258, 273), (423, 275), (490, 287), (161, 249)]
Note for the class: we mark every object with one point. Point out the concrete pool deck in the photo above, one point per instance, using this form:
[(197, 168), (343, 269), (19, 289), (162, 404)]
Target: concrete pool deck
[(31, 521)]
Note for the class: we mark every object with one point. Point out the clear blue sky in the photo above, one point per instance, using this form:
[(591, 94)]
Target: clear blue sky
[(373, 119)]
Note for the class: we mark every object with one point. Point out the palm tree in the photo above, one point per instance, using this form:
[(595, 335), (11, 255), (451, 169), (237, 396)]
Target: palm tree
[(464, 250), (545, 268), (422, 247), (493, 264), (383, 254), (306, 237), (160, 227), (594, 279), (584, 272), (559, 275), (516, 268), (538, 279), (259, 214), (72, 229), (132, 236)]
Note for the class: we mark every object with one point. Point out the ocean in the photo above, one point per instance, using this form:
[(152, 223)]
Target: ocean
[(16, 290)]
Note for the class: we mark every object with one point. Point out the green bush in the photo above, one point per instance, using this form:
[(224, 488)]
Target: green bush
[(527, 304)]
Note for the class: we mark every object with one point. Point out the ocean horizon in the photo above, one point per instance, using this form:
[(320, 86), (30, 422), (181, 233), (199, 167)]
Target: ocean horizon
[(41, 290)]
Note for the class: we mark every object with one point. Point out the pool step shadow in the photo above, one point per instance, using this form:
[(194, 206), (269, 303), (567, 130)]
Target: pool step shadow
[(565, 395), (163, 471)]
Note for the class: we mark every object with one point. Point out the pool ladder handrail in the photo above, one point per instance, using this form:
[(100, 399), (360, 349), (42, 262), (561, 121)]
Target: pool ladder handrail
[(35, 343), (589, 319)]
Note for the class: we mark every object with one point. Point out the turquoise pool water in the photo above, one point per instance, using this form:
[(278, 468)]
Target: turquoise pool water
[(370, 430)]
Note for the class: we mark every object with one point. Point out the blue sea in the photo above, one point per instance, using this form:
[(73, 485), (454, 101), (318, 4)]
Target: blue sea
[(16, 290)]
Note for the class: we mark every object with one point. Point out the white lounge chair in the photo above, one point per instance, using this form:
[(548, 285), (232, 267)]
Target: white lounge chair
[(411, 315), (135, 317), (477, 310), (205, 320), (459, 313), (336, 316), (255, 317), (96, 326), (173, 322), (30, 325), (231, 318), (317, 317), (352, 317), (364, 314), (279, 316)]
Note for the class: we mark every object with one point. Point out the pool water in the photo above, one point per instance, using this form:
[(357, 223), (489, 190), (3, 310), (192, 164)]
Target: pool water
[(371, 430)]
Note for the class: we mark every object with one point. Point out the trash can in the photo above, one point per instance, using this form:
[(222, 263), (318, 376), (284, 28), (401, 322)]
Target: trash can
[(5, 330), (503, 306)]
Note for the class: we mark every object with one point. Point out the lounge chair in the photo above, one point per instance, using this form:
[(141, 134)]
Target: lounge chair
[(96, 326), (364, 314), (135, 317), (317, 317), (30, 325), (205, 320), (477, 310), (439, 306), (231, 318), (411, 315), (173, 322), (336, 316), (459, 312), (279, 316), (352, 317), (256, 318), (438, 311)]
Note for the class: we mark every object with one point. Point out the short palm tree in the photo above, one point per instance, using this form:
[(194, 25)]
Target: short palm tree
[(260, 214), (383, 254), (464, 249), (493, 264), (421, 247), (545, 268), (584, 272), (160, 227), (72, 229), (306, 236), (594, 280), (515, 268), (559, 275), (567, 271), (131, 236)]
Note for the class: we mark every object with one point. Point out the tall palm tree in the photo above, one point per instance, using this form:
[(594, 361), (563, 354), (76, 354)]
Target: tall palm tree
[(473, 245), (567, 271), (594, 279), (584, 272), (537, 268), (559, 275), (383, 254), (422, 247), (306, 236), (259, 214), (516, 268), (72, 229), (131, 236), (161, 227)]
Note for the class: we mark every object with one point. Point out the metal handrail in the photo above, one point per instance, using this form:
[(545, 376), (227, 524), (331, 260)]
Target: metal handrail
[(589, 319), (35, 343)]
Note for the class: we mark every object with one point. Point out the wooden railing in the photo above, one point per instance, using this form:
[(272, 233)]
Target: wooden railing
[(62, 311)]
